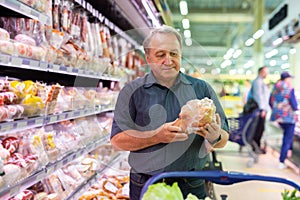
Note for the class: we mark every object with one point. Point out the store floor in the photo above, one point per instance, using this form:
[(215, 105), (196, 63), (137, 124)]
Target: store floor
[(233, 160)]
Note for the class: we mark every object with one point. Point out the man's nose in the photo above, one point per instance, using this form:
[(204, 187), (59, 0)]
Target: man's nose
[(168, 60)]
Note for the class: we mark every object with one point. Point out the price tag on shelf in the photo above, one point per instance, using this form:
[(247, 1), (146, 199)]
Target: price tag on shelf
[(4, 59), (7, 127), (69, 69), (43, 18), (21, 124), (34, 63), (59, 165), (15, 190), (62, 117), (56, 67), (25, 8), (39, 121), (43, 65), (16, 61), (40, 176), (80, 71), (53, 119), (50, 170)]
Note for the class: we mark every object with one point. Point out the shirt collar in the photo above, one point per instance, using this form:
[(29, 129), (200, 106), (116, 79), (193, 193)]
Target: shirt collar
[(150, 80)]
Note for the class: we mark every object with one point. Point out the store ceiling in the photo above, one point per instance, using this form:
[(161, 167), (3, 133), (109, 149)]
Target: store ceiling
[(215, 25)]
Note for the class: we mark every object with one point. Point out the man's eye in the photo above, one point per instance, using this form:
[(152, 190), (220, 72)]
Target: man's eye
[(174, 54), (160, 55)]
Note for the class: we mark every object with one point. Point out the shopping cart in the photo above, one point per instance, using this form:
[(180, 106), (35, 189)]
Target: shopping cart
[(242, 130), (217, 177)]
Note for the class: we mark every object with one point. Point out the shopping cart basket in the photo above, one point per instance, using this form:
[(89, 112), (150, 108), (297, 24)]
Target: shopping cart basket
[(217, 177), (242, 130)]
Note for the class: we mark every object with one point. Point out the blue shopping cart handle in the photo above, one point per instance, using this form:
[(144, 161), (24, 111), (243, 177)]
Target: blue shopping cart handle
[(218, 177)]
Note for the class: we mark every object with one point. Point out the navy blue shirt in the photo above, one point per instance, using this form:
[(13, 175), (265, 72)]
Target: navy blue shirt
[(144, 105)]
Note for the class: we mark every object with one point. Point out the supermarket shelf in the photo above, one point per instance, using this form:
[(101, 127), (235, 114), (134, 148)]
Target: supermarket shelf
[(25, 10), (89, 182), (42, 67), (49, 169), (24, 124)]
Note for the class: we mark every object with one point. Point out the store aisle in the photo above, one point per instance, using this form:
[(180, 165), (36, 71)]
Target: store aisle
[(233, 160)]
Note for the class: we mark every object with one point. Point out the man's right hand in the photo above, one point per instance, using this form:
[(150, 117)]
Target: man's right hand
[(169, 132)]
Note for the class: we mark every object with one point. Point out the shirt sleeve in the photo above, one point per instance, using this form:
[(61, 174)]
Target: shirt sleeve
[(293, 100)]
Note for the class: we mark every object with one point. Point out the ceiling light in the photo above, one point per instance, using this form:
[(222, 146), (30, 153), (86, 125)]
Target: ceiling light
[(240, 71), (249, 64), (285, 66), (186, 23), (188, 42), (183, 7), (187, 33), (237, 53), (277, 41), (293, 51), (249, 42), (248, 72), (271, 53), (232, 72), (258, 34), (272, 63), (284, 57)]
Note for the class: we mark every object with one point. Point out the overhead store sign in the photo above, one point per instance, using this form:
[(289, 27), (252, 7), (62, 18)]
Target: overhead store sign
[(278, 17)]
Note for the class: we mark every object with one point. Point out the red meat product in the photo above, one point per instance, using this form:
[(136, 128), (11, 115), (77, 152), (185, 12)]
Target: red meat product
[(25, 195), (20, 49), (11, 144), (3, 113)]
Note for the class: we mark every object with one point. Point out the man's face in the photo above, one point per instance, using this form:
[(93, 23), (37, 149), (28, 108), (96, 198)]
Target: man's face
[(164, 56), (265, 72)]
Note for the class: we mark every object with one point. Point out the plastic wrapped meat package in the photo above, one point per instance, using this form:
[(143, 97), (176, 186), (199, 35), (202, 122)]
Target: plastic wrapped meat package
[(88, 129), (90, 94), (196, 113), (105, 153), (70, 139), (49, 95), (52, 147), (87, 165), (105, 122), (106, 97), (59, 141), (31, 146), (22, 155), (53, 185), (108, 187), (70, 98)]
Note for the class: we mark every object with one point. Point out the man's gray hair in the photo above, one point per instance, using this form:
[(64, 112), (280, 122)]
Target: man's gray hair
[(162, 29)]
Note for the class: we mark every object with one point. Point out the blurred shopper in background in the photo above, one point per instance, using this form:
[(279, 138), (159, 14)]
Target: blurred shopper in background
[(147, 109), (260, 93), (284, 104)]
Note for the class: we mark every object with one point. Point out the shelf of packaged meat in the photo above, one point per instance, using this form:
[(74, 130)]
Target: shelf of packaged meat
[(19, 125), (35, 10), (33, 155)]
